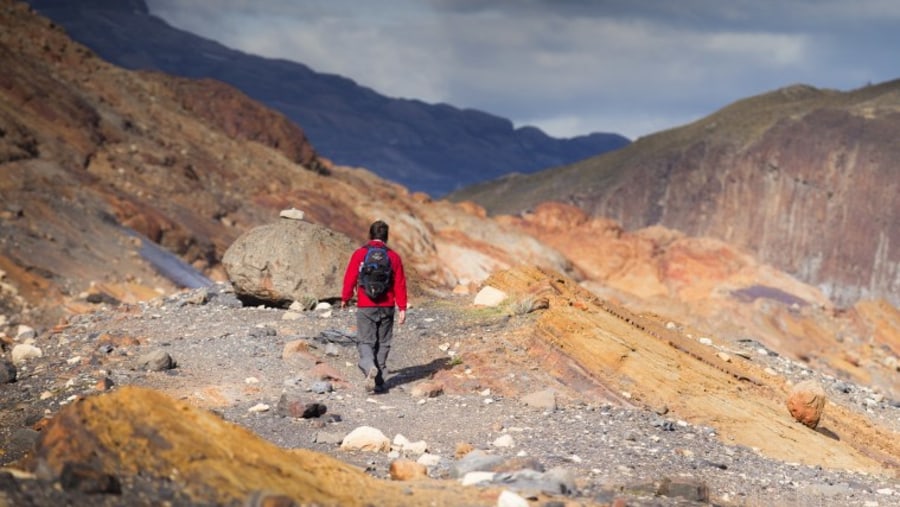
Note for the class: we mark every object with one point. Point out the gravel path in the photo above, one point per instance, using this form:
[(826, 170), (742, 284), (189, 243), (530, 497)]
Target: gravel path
[(230, 361)]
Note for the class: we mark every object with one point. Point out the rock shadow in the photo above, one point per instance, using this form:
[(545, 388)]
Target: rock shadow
[(828, 433), (413, 373)]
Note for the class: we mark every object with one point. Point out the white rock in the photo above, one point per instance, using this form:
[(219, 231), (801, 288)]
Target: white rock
[(705, 341), (366, 438), (73, 360), (259, 407), (429, 460), (291, 214), (251, 380), (489, 296), (323, 305), (509, 499), (24, 352), (472, 478), (504, 441), (25, 332), (289, 315)]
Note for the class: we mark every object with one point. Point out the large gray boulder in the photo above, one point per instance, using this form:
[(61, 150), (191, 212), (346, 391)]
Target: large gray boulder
[(290, 260)]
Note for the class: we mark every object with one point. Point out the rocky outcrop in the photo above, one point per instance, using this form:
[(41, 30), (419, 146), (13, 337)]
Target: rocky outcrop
[(135, 438), (803, 179)]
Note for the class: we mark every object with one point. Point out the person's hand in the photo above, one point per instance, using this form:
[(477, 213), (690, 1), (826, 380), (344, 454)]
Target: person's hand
[(343, 304), (401, 317)]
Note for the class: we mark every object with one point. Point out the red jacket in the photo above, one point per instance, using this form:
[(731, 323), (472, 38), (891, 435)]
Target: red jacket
[(396, 295)]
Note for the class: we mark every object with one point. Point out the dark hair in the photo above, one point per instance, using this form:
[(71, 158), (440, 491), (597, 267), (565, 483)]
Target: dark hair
[(378, 230)]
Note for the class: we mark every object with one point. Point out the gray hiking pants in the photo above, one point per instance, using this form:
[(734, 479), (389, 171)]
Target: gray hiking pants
[(375, 328)]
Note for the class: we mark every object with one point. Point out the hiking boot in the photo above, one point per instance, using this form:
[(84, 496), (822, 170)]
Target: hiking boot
[(371, 377)]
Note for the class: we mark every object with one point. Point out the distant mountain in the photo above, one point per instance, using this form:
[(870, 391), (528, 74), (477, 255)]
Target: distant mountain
[(806, 179), (435, 148)]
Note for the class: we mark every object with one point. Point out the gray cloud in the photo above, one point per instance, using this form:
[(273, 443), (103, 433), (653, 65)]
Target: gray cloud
[(567, 66)]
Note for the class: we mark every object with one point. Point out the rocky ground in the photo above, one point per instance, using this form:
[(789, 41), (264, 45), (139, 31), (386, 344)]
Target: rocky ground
[(459, 380)]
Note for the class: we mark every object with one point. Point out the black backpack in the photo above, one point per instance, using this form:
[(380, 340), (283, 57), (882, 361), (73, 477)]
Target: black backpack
[(375, 273)]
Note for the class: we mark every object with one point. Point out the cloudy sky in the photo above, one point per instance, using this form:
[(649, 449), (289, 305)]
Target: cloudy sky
[(569, 67)]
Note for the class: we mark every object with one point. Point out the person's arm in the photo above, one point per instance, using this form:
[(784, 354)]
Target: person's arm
[(350, 278), (400, 296)]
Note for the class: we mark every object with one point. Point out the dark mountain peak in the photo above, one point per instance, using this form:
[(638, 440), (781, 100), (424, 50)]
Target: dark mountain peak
[(124, 6), (435, 148)]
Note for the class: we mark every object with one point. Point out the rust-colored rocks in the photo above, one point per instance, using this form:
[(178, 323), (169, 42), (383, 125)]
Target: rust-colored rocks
[(102, 443), (807, 402)]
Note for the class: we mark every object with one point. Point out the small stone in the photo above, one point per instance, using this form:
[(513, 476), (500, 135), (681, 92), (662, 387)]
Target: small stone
[(472, 478), (489, 296), (504, 441), (7, 372), (158, 360), (291, 214), (806, 403), (292, 404), (366, 438), (406, 470), (321, 387), (104, 384), (24, 332), (23, 352), (509, 499), (259, 407), (429, 460), (289, 315), (462, 448)]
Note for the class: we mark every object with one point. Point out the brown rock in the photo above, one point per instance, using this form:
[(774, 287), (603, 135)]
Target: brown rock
[(294, 405), (406, 470), (463, 448), (806, 403), (140, 431)]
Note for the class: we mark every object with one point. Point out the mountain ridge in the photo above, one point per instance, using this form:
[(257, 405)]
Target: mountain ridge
[(801, 177), (435, 148)]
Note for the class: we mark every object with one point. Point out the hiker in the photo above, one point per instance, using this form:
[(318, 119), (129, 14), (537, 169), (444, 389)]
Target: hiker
[(376, 273)]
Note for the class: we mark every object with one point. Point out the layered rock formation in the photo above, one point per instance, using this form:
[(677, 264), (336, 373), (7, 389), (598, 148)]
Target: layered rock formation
[(803, 179)]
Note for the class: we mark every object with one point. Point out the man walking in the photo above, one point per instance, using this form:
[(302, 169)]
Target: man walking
[(375, 272)]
